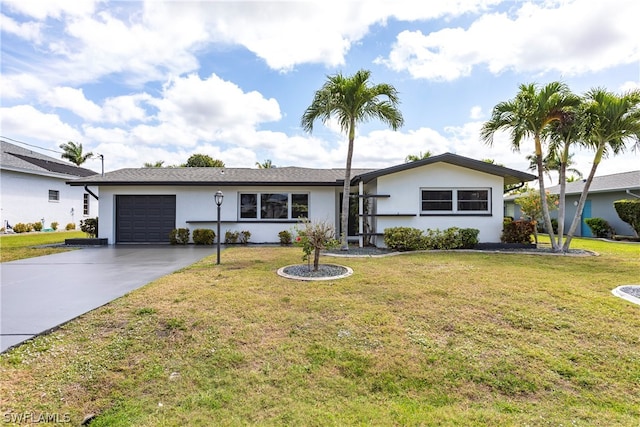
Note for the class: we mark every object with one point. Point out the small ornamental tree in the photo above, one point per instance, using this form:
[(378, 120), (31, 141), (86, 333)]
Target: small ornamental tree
[(629, 212), (531, 206), (314, 237)]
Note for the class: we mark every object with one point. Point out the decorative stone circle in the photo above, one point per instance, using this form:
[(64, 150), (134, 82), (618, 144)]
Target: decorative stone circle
[(630, 293), (325, 272)]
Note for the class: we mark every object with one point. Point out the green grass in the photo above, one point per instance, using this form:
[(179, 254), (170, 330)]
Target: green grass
[(25, 245), (440, 338)]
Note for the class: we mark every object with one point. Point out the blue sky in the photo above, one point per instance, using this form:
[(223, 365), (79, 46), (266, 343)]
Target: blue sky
[(146, 81)]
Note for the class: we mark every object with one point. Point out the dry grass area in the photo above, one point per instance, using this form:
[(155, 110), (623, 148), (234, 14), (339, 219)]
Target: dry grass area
[(420, 339)]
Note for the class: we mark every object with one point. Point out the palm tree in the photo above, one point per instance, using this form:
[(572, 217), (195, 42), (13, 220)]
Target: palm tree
[(265, 165), (610, 121), (352, 100), (415, 157), (553, 161), (73, 153), (528, 115)]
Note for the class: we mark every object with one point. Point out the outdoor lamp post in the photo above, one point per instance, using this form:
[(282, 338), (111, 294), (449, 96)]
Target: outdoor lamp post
[(218, 198)]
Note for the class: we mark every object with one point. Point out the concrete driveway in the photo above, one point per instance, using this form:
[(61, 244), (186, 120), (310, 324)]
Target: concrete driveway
[(38, 294)]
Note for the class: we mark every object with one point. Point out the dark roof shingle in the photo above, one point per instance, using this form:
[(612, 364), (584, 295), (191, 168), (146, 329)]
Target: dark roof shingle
[(17, 158)]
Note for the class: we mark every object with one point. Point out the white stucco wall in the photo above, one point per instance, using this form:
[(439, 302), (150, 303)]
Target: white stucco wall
[(404, 188), (197, 203), (24, 198)]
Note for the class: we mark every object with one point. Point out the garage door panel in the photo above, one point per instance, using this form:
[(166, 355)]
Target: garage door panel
[(145, 218)]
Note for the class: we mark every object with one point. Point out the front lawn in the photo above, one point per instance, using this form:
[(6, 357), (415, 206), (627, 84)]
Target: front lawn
[(440, 338), (29, 245)]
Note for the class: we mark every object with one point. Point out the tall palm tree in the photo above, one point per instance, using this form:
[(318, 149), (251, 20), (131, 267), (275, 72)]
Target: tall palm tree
[(610, 121), (527, 116), (554, 162), (352, 100), (563, 134), (73, 153), (415, 157), (267, 164)]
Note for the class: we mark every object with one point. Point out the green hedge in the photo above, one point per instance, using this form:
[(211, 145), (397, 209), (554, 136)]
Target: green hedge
[(518, 231), (179, 236), (413, 239), (203, 236), (599, 227), (629, 212)]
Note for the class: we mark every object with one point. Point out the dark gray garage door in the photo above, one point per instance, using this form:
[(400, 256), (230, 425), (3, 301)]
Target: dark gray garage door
[(145, 219)]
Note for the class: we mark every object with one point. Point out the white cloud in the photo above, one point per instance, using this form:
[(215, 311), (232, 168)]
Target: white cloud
[(476, 112), (127, 108), (213, 105), (24, 122), (73, 100), (18, 86), (571, 37), (26, 30), (42, 10)]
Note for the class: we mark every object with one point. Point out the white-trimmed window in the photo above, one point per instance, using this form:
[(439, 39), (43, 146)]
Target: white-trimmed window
[(459, 201), (85, 204), (54, 196), (273, 206)]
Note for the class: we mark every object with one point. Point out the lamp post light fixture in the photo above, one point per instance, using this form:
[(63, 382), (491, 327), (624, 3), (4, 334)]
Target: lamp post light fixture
[(218, 198)]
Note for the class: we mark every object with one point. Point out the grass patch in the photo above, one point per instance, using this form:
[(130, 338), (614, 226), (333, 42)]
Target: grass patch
[(26, 245), (420, 339)]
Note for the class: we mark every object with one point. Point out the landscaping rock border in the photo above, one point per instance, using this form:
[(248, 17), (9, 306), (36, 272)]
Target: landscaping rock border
[(325, 272), (630, 293)]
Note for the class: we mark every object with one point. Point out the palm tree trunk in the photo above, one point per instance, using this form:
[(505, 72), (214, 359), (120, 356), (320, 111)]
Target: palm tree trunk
[(543, 196), (346, 189), (583, 197), (561, 199)]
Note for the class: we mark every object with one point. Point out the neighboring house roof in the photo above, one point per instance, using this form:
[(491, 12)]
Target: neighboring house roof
[(601, 184), (511, 176), (283, 175), (228, 176), (16, 158)]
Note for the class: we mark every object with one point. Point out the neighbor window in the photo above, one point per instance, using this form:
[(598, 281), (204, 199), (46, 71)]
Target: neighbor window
[(54, 195), (455, 201), (85, 204), (273, 206)]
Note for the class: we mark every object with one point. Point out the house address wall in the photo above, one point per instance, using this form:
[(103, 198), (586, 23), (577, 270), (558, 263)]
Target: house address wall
[(404, 189), (196, 208)]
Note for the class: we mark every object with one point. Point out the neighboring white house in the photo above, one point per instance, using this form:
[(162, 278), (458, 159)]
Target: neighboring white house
[(604, 190), (33, 189), (144, 205)]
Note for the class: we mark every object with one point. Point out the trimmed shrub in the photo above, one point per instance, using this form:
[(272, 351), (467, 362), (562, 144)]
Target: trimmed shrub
[(179, 236), (70, 226), (629, 212), (203, 236), (54, 225), (519, 231), (451, 238), (468, 238), (599, 227), (90, 226), (231, 237), (20, 228), (244, 236), (37, 226), (403, 238), (285, 237)]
